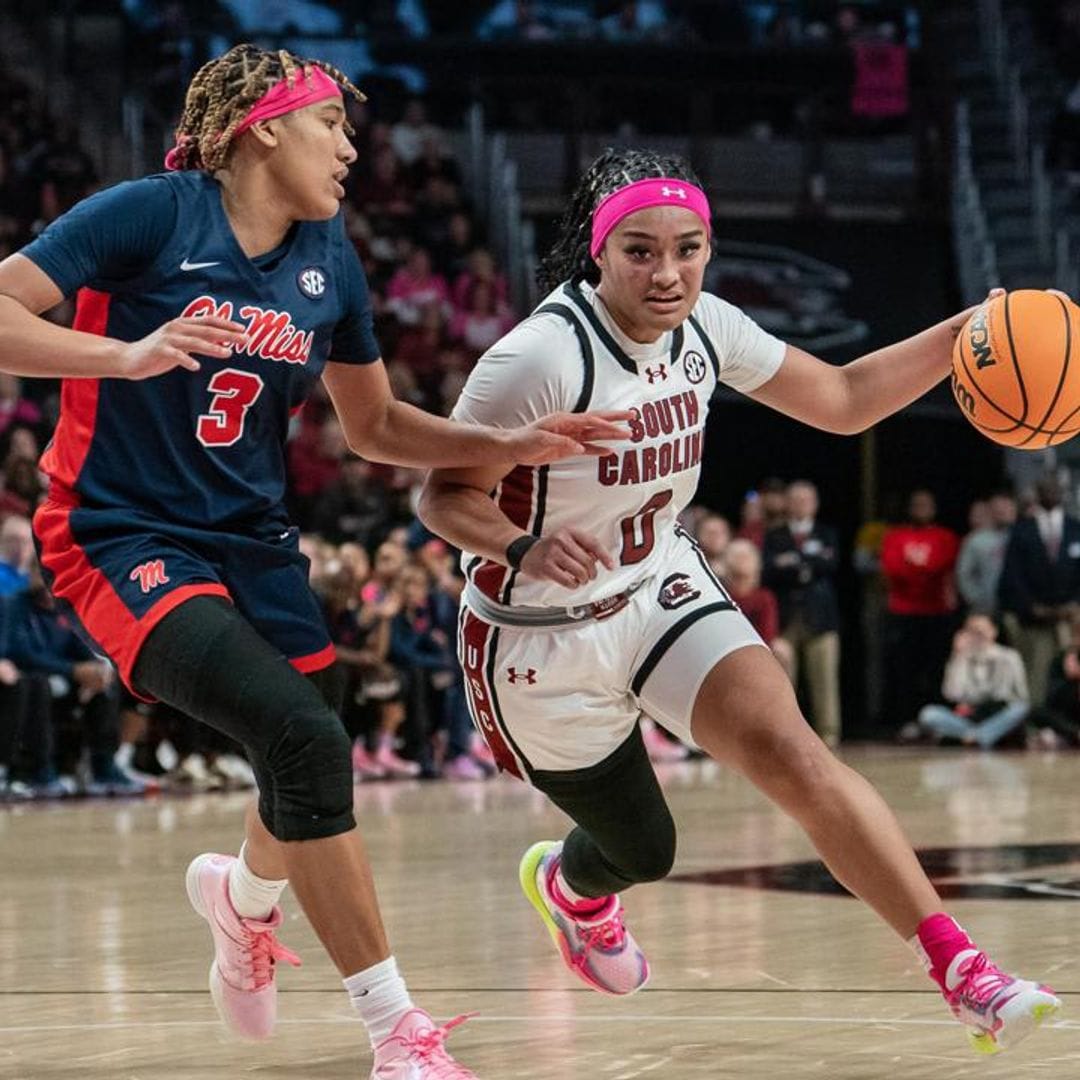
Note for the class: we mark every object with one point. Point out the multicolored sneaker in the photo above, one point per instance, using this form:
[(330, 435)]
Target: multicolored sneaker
[(414, 1050), (1000, 1009), (597, 948), (245, 951)]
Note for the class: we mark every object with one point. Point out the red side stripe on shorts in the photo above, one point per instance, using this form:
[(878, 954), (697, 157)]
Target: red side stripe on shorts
[(314, 661), (515, 501), (475, 635), (107, 619), (64, 457)]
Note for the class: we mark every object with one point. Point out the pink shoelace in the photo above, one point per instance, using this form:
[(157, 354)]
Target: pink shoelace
[(608, 935), (428, 1047), (264, 950), (980, 983)]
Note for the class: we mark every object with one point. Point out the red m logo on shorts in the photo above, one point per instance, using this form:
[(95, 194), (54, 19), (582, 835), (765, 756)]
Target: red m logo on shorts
[(525, 676), (150, 575)]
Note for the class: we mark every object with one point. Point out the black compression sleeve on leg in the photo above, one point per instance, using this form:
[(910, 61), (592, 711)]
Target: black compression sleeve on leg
[(206, 660), (625, 833), (330, 682)]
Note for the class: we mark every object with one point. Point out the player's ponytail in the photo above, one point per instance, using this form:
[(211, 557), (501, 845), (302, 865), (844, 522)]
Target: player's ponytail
[(224, 90), (569, 257)]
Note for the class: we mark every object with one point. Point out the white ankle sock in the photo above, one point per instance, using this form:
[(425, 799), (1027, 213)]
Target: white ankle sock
[(251, 896), (380, 996)]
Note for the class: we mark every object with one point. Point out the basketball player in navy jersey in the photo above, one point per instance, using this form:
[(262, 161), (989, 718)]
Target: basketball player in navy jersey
[(210, 299), (587, 606)]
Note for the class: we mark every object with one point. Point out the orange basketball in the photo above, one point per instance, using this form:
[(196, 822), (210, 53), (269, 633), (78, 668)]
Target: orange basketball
[(1016, 369)]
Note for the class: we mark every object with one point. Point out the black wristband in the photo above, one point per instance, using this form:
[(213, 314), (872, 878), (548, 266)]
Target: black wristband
[(517, 549)]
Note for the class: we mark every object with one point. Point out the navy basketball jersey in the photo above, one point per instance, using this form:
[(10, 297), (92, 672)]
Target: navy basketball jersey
[(203, 448)]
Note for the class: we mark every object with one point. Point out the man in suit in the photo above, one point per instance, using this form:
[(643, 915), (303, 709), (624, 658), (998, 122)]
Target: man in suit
[(1040, 582), (799, 564)]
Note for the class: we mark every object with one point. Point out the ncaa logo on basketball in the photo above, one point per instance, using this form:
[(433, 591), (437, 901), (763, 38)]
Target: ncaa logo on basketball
[(694, 366), (677, 590), (312, 282)]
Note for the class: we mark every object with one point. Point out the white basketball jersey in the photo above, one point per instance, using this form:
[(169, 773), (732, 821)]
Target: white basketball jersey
[(570, 356)]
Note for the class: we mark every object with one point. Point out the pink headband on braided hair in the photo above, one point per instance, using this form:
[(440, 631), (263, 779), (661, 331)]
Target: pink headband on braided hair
[(310, 86), (642, 195)]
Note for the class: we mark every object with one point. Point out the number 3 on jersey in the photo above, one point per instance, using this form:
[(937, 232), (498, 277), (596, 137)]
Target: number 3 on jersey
[(234, 393)]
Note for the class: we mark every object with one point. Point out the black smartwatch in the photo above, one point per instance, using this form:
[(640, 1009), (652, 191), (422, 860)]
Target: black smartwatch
[(517, 549)]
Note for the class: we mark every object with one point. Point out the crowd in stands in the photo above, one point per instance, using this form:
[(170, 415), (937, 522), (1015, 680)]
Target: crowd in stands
[(390, 590), (970, 640), (1059, 24)]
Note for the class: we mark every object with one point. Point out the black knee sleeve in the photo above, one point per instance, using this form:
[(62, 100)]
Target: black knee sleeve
[(206, 660), (307, 760), (330, 682), (625, 834)]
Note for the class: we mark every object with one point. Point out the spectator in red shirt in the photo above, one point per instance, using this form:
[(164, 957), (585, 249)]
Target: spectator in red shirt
[(315, 457), (762, 510), (742, 576), (918, 560)]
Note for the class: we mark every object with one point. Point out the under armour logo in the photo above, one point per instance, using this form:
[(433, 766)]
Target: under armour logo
[(525, 676), (673, 192), (656, 373), (150, 575)]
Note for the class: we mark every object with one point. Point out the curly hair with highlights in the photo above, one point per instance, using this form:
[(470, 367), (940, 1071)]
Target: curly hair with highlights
[(222, 93), (569, 257)]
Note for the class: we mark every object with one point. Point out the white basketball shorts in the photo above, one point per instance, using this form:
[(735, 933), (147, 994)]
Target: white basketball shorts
[(564, 698)]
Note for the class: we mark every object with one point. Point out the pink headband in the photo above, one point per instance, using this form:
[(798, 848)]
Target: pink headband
[(309, 87), (641, 195)]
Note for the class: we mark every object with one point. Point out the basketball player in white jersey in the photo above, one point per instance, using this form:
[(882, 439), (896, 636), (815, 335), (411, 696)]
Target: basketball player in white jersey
[(587, 606)]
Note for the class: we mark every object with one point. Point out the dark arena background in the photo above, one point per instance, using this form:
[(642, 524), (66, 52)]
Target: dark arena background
[(873, 168)]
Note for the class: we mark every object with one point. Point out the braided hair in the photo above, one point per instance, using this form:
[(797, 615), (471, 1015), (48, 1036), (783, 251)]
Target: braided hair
[(569, 256), (223, 92)]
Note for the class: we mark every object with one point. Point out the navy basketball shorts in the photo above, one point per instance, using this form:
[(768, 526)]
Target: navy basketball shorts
[(121, 572), (564, 698)]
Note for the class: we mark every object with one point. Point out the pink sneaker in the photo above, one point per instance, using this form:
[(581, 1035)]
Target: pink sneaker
[(480, 750), (393, 766), (463, 767), (363, 763), (659, 747), (414, 1051), (598, 948), (1000, 1009), (245, 951)]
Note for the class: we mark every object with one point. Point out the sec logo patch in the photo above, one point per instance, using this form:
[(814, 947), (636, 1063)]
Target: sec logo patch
[(312, 282), (694, 366)]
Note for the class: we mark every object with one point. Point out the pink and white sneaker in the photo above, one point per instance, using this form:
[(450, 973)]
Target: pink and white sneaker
[(245, 951), (393, 765), (363, 763), (414, 1050), (481, 752), (1000, 1009), (464, 767), (597, 948)]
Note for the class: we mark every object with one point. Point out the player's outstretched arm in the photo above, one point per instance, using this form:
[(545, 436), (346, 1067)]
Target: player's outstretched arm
[(456, 504), (380, 428), (32, 346), (849, 399)]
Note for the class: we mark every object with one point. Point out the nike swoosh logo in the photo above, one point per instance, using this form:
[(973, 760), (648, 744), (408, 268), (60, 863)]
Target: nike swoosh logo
[(185, 265)]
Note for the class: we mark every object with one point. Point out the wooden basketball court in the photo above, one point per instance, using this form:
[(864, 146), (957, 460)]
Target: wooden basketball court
[(103, 965)]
